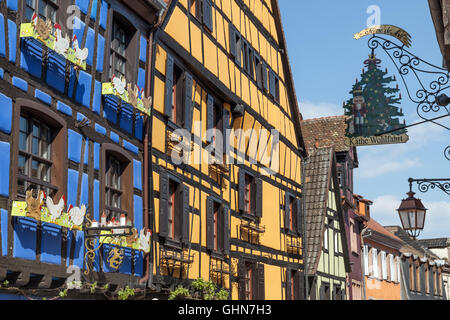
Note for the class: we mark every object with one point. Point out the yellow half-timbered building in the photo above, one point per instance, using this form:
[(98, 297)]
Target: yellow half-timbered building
[(226, 151)]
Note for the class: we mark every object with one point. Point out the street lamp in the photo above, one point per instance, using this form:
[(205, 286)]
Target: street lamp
[(412, 214)]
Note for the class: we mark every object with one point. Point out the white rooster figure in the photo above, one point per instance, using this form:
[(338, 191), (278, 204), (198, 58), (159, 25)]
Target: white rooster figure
[(56, 210), (144, 240), (119, 84), (76, 215), (80, 54), (61, 44)]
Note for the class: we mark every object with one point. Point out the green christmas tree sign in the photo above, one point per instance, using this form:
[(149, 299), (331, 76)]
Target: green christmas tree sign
[(372, 110)]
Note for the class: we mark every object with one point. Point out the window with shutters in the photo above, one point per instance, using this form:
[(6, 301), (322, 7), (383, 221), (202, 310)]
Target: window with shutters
[(117, 178), (35, 160), (294, 285), (41, 134), (274, 86), (356, 290), (435, 281), (251, 281), (174, 210), (195, 9), (217, 229), (248, 57), (177, 110), (249, 198), (113, 189), (202, 11), (171, 208), (123, 46), (417, 277), (250, 195), (411, 277), (235, 44), (293, 218)]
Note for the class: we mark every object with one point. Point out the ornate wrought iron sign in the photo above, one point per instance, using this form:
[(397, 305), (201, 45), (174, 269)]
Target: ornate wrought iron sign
[(429, 81)]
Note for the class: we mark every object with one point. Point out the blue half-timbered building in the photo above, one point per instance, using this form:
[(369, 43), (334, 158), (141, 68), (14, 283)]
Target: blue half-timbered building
[(74, 105)]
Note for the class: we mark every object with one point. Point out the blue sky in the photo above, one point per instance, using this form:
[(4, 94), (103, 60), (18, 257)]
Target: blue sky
[(326, 61)]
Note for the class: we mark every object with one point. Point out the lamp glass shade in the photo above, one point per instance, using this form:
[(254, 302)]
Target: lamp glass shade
[(420, 219), (404, 217)]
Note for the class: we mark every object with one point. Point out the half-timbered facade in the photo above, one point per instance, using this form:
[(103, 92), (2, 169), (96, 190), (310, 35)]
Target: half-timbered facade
[(232, 215), (72, 132), (327, 256), (330, 132)]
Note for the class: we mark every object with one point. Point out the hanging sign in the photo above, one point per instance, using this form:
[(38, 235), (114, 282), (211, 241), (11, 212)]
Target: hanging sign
[(390, 30), (373, 117)]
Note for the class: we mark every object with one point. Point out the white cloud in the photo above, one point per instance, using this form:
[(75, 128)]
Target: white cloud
[(310, 110), (373, 167), (437, 223)]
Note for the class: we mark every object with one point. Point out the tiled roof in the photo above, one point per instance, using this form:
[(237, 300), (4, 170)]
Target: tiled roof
[(316, 174), (327, 132), (435, 243), (415, 244), (375, 226)]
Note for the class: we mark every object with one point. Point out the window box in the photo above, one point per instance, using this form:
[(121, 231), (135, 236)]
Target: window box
[(27, 30), (19, 209), (129, 94)]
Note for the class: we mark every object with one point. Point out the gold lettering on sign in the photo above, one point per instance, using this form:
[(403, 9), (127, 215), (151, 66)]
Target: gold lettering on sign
[(393, 31)]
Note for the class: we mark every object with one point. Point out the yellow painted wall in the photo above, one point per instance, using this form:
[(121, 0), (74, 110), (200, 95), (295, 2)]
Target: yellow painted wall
[(211, 49)]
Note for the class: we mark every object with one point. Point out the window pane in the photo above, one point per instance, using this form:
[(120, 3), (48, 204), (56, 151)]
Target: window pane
[(22, 165), (23, 124), (21, 187), (35, 169), (22, 141), (35, 146), (45, 173), (42, 6)]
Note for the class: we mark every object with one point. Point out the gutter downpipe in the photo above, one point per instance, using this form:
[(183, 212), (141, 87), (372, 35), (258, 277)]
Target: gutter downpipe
[(148, 183)]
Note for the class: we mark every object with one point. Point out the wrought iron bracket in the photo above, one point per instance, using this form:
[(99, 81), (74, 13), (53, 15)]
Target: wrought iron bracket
[(429, 98), (424, 185)]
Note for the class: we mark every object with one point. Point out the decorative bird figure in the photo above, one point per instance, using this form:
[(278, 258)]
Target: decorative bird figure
[(34, 205), (144, 240), (76, 215), (147, 101), (119, 84), (56, 210), (80, 54), (132, 238), (43, 29), (133, 94), (61, 44)]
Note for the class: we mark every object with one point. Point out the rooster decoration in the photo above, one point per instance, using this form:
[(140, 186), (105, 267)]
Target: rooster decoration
[(76, 215), (80, 54), (133, 94), (147, 101), (34, 205), (56, 210), (144, 240), (119, 84), (42, 28), (61, 44)]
